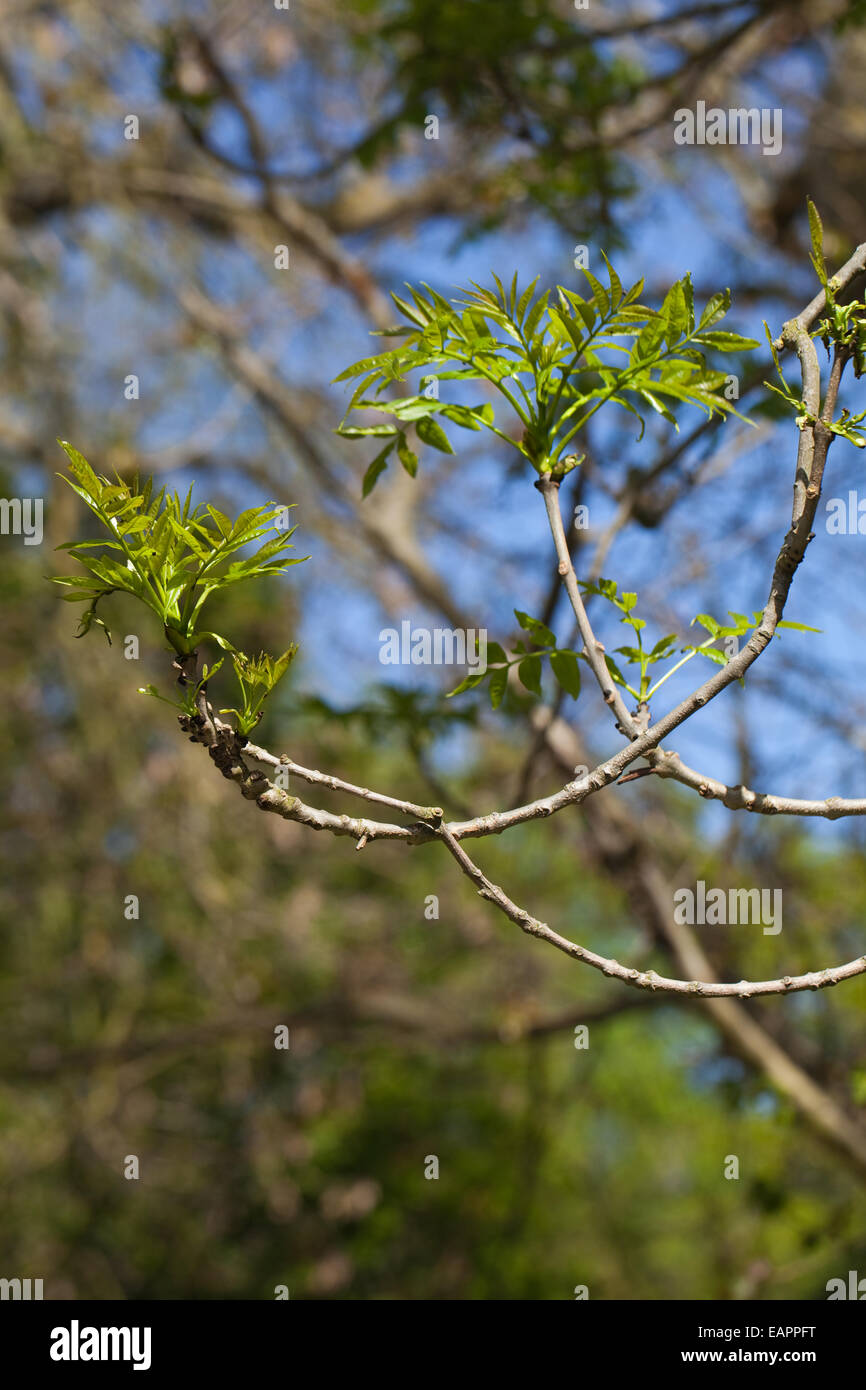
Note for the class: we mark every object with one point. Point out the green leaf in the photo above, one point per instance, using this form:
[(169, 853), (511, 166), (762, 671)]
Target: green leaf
[(585, 309), (535, 314), (74, 546), (429, 431), (81, 470), (658, 407), (689, 294), (529, 671), (615, 283), (470, 417), (414, 315), (567, 671), (214, 637), (152, 691), (569, 327), (90, 617), (726, 342), (627, 405), (186, 533), (716, 308), (541, 635), (716, 656), (816, 233), (406, 456), (361, 431), (675, 312), (599, 293), (741, 621), (375, 469), (382, 363), (135, 525), (395, 331), (635, 292), (523, 302), (468, 683), (614, 670), (498, 685), (512, 298), (409, 408), (648, 340)]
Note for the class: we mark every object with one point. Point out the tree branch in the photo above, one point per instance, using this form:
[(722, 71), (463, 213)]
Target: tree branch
[(643, 979), (548, 486)]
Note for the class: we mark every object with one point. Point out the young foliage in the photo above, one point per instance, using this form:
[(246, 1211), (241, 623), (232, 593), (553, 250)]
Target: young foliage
[(554, 360), (171, 556), (846, 327), (528, 655), (843, 326), (188, 703), (256, 677), (663, 650), (739, 628)]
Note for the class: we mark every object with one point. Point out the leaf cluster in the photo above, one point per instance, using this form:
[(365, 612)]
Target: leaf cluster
[(256, 677), (843, 326), (553, 360), (171, 556), (174, 557), (529, 653)]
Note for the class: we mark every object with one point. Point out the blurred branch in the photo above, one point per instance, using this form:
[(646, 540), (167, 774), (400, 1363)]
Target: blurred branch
[(337, 1015)]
